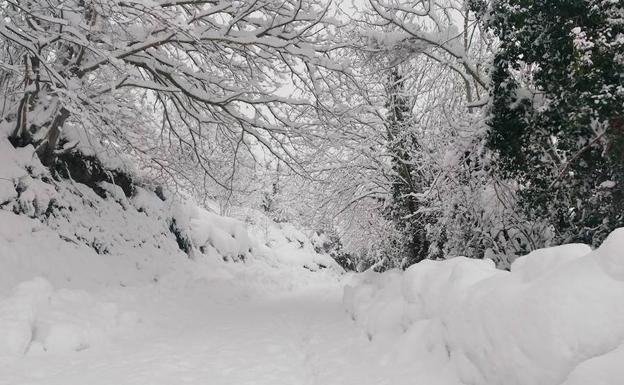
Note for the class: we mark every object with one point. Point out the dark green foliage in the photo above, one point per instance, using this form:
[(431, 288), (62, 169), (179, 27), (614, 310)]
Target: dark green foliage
[(407, 182), (184, 243), (89, 170), (332, 245), (557, 109)]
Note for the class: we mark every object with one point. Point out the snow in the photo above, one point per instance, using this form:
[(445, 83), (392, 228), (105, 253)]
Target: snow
[(606, 369), (556, 318), (18, 315), (115, 289), (542, 261), (607, 184), (66, 252), (209, 335)]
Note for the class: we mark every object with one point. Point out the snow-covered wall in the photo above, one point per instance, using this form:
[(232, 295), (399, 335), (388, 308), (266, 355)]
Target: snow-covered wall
[(556, 318)]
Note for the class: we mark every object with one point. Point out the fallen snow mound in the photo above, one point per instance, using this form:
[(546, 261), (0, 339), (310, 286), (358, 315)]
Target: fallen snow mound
[(556, 318)]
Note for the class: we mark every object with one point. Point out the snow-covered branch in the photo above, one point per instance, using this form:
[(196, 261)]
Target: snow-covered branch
[(241, 69)]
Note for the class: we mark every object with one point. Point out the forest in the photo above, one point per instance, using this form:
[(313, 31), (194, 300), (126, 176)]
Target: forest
[(410, 130), (404, 150)]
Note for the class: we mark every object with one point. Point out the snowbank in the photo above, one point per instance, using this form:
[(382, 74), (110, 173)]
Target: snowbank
[(556, 318)]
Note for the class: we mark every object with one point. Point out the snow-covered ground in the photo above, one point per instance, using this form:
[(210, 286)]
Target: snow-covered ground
[(215, 333), (116, 288)]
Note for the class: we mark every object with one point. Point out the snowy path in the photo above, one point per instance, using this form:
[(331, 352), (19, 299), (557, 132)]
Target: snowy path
[(188, 338)]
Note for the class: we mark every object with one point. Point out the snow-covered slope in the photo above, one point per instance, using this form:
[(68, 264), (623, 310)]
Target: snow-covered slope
[(63, 242), (556, 318)]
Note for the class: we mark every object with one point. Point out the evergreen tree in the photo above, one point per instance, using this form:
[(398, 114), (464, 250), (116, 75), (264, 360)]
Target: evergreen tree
[(407, 182), (557, 111)]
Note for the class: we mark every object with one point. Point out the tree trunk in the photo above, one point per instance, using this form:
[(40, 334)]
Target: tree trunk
[(46, 149)]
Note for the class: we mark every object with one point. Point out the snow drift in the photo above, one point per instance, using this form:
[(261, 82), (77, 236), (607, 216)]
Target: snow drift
[(556, 318)]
